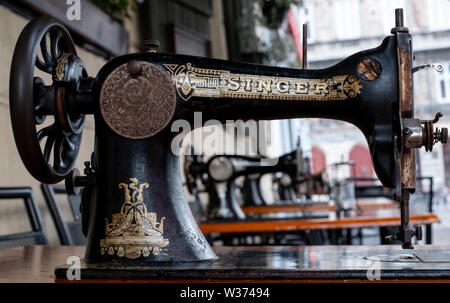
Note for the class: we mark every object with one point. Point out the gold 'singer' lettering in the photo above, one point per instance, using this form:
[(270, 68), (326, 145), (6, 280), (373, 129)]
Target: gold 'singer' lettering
[(211, 83)]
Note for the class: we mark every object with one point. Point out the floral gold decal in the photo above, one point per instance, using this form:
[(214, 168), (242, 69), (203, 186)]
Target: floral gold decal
[(60, 65), (134, 232), (211, 83)]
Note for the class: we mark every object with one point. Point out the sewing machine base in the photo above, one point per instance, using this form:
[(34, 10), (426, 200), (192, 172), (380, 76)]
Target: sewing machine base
[(289, 263)]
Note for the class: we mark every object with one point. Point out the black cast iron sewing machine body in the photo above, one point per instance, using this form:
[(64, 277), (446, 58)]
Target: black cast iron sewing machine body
[(134, 208)]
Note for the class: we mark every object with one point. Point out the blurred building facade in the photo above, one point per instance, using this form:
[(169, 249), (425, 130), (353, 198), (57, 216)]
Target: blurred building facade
[(340, 28)]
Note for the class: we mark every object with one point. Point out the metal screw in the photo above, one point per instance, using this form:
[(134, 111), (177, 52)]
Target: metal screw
[(441, 135), (134, 67)]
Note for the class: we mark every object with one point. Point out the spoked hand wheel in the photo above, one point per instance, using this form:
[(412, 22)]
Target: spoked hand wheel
[(31, 101)]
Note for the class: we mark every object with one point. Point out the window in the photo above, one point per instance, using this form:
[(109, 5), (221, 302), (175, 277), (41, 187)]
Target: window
[(443, 84)]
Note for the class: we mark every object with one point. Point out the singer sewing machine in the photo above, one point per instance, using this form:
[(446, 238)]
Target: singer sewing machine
[(282, 187), (218, 177), (285, 191), (196, 171), (292, 181), (134, 211), (223, 170), (215, 177)]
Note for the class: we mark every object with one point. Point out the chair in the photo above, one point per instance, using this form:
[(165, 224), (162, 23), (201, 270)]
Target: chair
[(37, 234), (69, 233)]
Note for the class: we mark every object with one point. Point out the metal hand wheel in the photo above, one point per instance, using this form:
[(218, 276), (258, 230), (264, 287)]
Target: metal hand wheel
[(31, 101)]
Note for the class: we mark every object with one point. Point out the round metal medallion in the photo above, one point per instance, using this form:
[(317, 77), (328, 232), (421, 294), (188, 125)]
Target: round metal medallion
[(369, 70), (138, 106)]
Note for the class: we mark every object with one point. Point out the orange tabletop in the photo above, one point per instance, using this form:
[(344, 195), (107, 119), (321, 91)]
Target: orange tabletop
[(363, 204), (374, 218)]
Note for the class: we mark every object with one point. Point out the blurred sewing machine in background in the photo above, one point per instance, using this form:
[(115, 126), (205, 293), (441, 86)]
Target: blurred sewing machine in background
[(219, 175)]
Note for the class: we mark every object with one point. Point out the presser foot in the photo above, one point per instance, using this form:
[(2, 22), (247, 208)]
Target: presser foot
[(406, 235)]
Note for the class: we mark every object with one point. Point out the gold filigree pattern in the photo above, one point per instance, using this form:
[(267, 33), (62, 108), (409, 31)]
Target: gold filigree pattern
[(60, 65), (351, 86), (134, 232), (211, 83)]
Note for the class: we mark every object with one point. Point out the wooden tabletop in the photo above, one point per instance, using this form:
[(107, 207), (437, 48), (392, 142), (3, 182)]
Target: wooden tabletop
[(248, 264), (373, 218), (363, 204)]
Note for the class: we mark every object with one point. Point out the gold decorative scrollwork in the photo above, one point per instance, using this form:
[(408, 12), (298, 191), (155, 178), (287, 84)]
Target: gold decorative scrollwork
[(351, 86), (134, 232), (60, 65), (211, 83)]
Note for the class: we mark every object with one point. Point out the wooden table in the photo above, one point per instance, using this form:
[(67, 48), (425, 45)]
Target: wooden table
[(373, 218), (248, 264), (363, 204)]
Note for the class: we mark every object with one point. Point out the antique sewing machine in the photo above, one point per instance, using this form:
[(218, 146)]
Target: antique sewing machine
[(196, 171), (219, 176), (318, 185), (252, 194), (222, 202), (286, 192), (133, 206), (292, 179), (282, 187), (223, 170)]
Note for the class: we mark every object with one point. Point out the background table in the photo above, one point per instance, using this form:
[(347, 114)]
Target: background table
[(363, 204), (373, 218)]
